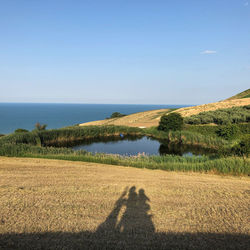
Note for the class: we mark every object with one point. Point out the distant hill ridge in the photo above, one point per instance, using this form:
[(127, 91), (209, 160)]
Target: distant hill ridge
[(244, 94)]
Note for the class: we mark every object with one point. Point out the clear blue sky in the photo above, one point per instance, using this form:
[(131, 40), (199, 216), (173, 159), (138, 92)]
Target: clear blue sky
[(124, 51)]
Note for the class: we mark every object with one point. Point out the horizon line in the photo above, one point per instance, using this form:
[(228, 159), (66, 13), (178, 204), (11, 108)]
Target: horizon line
[(96, 103)]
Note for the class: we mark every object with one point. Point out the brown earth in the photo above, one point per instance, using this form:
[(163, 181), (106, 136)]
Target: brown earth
[(51, 204)]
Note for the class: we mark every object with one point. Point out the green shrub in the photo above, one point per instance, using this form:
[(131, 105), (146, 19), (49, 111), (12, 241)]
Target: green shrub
[(21, 130), (229, 131), (116, 115), (243, 147), (221, 116), (173, 121)]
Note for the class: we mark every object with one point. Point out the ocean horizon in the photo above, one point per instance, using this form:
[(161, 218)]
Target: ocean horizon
[(57, 115)]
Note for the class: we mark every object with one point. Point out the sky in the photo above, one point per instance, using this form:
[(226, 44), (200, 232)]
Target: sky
[(124, 51)]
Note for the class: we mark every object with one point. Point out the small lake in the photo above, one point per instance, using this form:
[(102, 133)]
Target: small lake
[(134, 146)]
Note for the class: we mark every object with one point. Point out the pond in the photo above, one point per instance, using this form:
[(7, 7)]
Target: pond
[(132, 146)]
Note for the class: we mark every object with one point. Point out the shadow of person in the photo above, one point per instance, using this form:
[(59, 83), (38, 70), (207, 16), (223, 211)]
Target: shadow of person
[(109, 225), (145, 219), (129, 222)]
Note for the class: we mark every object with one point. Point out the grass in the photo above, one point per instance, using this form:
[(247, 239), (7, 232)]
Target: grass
[(222, 165), (244, 94), (50, 204)]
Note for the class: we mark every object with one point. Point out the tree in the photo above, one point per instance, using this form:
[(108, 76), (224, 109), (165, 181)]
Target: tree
[(21, 130), (243, 147), (173, 121), (117, 115), (229, 131), (40, 126)]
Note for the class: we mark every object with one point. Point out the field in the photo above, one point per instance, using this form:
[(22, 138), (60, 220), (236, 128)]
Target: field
[(151, 118), (52, 204)]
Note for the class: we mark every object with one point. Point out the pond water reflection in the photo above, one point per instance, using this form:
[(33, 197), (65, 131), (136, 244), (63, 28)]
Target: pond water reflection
[(134, 146)]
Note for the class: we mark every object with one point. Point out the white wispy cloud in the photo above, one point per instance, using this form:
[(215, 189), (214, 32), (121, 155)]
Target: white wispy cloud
[(209, 52), (246, 3)]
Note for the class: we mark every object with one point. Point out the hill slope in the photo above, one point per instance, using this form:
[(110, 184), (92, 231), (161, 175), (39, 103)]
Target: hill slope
[(244, 94), (152, 118)]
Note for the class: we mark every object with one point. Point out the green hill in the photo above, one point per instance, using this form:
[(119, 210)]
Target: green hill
[(244, 94)]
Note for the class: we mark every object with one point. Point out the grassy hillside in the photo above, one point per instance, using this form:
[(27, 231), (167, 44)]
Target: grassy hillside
[(141, 119), (152, 118), (244, 94), (50, 204)]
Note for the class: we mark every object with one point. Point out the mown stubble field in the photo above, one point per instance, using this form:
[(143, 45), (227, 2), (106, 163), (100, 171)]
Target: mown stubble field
[(51, 204)]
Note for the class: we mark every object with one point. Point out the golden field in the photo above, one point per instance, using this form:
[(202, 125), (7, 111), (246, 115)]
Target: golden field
[(51, 204)]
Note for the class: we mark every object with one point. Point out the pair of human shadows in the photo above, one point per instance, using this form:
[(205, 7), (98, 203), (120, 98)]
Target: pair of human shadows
[(135, 230), (136, 219)]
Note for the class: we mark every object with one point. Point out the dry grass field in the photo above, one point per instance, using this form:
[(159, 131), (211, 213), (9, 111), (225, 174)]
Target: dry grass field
[(152, 118), (51, 204), (141, 119)]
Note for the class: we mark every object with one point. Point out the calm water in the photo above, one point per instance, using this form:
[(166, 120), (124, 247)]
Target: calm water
[(24, 115), (135, 146)]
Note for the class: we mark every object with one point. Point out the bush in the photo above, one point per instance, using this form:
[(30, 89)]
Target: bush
[(229, 131), (21, 130), (243, 147), (173, 121), (2, 135), (116, 115)]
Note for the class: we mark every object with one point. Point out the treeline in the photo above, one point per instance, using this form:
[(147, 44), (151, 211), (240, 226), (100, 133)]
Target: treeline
[(221, 116)]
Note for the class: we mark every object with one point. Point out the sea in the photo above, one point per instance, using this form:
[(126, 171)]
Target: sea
[(26, 115)]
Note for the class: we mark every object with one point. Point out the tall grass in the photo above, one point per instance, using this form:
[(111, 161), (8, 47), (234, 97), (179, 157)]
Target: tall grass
[(225, 165), (55, 136), (50, 137), (188, 137)]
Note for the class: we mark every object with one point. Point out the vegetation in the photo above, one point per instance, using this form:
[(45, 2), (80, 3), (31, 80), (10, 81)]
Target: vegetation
[(230, 131), (116, 115), (21, 130), (172, 121), (243, 147), (209, 130), (40, 127), (244, 94), (221, 116), (29, 145)]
